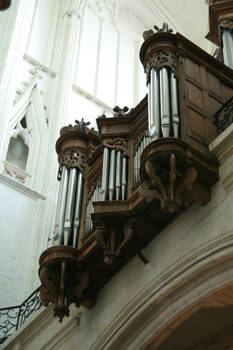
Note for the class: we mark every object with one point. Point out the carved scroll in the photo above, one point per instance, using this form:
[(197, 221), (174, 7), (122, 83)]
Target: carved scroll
[(159, 60), (178, 191), (73, 158), (107, 239), (119, 143)]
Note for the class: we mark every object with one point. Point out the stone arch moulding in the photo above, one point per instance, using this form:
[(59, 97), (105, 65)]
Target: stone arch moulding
[(30, 104), (166, 301)]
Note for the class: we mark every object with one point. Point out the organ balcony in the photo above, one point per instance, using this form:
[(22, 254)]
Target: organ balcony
[(121, 185)]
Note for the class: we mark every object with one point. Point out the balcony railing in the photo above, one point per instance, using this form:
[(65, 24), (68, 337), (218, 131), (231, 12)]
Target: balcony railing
[(11, 318), (224, 116)]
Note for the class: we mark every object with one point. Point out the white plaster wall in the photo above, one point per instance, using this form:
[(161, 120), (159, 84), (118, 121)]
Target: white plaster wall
[(17, 228), (43, 31)]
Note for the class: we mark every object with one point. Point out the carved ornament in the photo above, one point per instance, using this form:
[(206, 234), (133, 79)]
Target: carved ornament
[(79, 126), (173, 188), (63, 281), (138, 139), (224, 117), (148, 33), (73, 158), (227, 23), (108, 239), (119, 143), (91, 187), (159, 60)]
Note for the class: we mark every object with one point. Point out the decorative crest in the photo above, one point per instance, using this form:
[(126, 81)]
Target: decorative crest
[(148, 33), (120, 112), (80, 126)]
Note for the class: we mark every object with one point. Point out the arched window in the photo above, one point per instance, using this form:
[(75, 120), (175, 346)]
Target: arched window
[(17, 153)]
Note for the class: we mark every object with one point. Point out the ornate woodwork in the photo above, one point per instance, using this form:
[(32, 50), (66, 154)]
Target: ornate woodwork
[(4, 4), (162, 175), (220, 15)]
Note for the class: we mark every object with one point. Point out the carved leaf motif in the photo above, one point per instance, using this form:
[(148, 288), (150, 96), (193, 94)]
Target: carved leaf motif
[(72, 158), (117, 143), (160, 60)]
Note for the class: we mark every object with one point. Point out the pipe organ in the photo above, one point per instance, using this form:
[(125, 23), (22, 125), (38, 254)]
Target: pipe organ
[(163, 106), (121, 185), (114, 175)]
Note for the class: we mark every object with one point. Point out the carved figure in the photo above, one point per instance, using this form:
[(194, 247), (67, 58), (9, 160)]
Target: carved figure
[(172, 194), (107, 240)]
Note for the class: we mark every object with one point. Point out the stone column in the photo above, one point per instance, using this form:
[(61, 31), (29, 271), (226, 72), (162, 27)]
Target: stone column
[(14, 28)]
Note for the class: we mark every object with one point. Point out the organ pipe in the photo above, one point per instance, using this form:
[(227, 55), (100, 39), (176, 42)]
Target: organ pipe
[(112, 174), (154, 104), (70, 205), (64, 184), (227, 43), (78, 207), (164, 102), (105, 169), (174, 103)]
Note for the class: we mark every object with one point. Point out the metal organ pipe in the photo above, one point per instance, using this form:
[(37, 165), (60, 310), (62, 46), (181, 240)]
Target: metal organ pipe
[(70, 205), (56, 228), (124, 177), (112, 174), (118, 174), (78, 207), (154, 104), (164, 102), (227, 41), (174, 103), (105, 174), (64, 184)]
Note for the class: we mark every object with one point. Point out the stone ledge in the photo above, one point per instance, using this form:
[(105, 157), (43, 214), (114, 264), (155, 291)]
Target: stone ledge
[(222, 147), (16, 185)]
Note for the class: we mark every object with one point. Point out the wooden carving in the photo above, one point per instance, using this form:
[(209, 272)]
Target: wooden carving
[(119, 143), (92, 185), (227, 23), (160, 60), (174, 189), (107, 239), (73, 158)]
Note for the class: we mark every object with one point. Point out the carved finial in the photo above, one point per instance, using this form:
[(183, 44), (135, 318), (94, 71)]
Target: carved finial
[(120, 112), (148, 33), (164, 29), (80, 126)]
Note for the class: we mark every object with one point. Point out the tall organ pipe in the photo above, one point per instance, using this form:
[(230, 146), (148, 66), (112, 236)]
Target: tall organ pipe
[(174, 103), (64, 185), (56, 228), (70, 205), (154, 104), (77, 208), (105, 174), (118, 174), (227, 41), (124, 177), (164, 102), (112, 174)]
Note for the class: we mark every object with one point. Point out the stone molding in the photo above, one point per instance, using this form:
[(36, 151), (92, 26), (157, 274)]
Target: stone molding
[(185, 284), (222, 147), (16, 185)]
